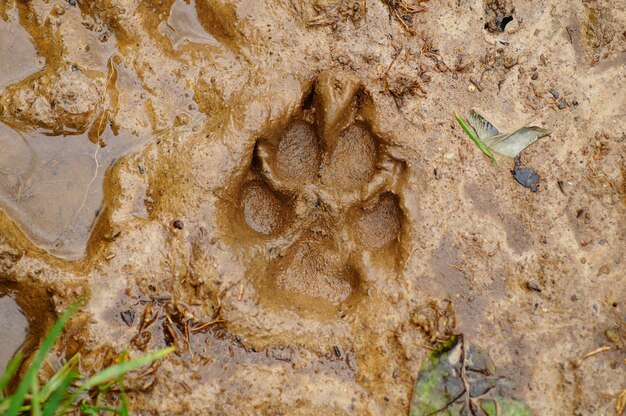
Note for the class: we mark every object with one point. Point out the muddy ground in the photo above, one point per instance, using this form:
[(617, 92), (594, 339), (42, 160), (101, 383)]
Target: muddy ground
[(280, 190)]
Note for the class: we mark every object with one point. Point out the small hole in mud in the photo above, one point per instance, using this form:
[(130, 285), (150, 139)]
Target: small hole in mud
[(505, 21), (256, 164), (308, 100)]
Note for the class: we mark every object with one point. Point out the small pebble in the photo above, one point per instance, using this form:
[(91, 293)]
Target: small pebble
[(534, 76), (178, 224), (561, 104), (527, 177), (554, 93)]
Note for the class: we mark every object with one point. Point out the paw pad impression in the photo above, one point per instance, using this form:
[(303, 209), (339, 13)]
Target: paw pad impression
[(318, 203)]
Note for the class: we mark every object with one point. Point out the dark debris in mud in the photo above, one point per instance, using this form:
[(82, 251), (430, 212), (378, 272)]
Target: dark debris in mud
[(128, 316), (498, 14), (527, 177), (405, 11)]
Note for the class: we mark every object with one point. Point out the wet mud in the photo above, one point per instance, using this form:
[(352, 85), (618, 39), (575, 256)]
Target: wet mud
[(280, 191)]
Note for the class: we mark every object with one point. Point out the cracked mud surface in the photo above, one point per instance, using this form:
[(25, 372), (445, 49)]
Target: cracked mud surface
[(278, 188)]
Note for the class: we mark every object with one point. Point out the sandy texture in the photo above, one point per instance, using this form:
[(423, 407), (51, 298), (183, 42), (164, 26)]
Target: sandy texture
[(280, 190)]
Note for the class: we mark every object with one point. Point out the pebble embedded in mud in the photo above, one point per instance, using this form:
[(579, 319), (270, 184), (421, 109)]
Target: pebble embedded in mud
[(527, 177)]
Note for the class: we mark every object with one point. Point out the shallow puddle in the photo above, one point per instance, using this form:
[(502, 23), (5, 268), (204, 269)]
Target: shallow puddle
[(16, 43), (13, 330), (183, 27), (53, 185)]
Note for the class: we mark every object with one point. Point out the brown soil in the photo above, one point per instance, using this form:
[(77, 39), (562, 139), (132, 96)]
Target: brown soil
[(280, 190)]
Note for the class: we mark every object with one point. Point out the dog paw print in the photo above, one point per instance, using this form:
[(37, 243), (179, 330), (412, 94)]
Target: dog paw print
[(318, 207)]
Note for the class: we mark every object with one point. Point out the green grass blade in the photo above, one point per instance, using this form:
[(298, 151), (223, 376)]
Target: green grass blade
[(123, 398), (9, 372), (116, 371), (90, 411), (35, 403), (33, 369), (95, 410), (59, 393), (57, 379), (475, 139), (124, 409)]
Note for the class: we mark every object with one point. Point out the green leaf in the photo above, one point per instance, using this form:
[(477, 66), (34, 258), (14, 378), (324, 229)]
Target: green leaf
[(435, 387), (17, 400), (475, 139), (504, 407), (457, 375)]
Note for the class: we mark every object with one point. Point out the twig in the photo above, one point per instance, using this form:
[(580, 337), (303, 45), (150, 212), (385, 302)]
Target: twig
[(579, 361), (393, 61), (206, 325), (620, 404), (98, 132)]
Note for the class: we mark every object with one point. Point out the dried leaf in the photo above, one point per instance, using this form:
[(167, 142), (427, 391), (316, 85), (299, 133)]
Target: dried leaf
[(483, 127), (511, 145), (506, 144)]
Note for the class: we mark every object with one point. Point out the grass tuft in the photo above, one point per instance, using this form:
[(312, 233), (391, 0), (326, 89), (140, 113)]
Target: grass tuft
[(63, 391)]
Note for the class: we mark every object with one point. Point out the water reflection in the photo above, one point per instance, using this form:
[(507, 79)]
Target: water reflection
[(13, 329), (53, 185), (19, 56)]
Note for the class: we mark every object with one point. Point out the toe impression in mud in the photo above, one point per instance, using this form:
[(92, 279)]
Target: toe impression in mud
[(318, 204)]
